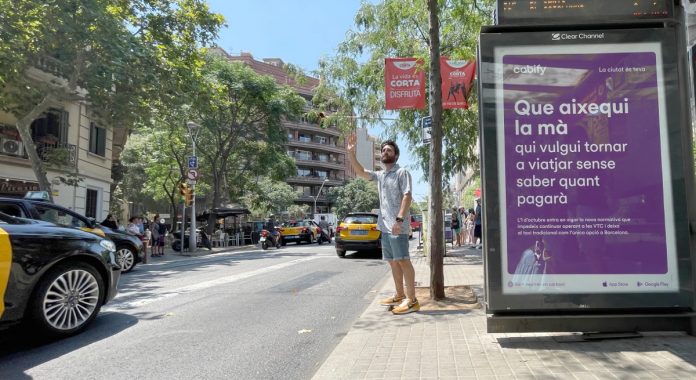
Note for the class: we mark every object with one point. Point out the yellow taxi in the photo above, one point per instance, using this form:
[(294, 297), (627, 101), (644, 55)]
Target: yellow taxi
[(358, 232), (299, 231)]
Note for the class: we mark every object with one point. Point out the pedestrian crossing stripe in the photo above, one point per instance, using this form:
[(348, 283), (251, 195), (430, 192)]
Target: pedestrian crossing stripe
[(5, 263)]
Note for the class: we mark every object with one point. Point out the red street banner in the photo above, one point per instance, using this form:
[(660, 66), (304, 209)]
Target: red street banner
[(457, 77), (404, 83)]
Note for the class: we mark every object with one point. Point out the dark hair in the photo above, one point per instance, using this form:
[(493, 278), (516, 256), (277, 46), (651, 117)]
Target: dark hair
[(392, 143)]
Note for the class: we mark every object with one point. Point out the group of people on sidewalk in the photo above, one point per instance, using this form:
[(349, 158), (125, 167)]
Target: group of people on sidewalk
[(152, 236), (466, 226)]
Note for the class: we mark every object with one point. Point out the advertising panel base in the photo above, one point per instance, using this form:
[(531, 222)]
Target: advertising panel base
[(685, 321)]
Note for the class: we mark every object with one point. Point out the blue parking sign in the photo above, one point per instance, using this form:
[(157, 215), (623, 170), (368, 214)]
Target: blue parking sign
[(193, 162)]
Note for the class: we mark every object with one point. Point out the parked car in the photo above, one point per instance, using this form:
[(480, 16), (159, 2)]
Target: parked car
[(55, 277), (358, 231), (416, 222), (299, 231), (129, 248)]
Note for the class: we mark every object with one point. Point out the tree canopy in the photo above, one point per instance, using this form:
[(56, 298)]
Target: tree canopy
[(354, 77), (118, 56), (356, 195)]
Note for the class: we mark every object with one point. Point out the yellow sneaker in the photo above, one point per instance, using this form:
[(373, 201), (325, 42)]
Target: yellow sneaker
[(406, 307), (392, 301)]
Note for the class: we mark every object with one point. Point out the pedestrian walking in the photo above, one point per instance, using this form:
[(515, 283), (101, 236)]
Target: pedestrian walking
[(155, 230), (478, 225), (395, 196), (456, 223)]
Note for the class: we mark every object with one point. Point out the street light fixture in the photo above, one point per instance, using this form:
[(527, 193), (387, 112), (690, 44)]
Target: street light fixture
[(319, 192), (193, 129)]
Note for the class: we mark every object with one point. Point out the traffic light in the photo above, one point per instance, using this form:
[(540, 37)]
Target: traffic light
[(183, 191), (189, 196)]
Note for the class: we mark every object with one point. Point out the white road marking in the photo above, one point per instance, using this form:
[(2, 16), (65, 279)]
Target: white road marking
[(122, 303)]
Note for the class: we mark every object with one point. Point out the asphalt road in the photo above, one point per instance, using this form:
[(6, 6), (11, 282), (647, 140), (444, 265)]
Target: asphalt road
[(273, 314)]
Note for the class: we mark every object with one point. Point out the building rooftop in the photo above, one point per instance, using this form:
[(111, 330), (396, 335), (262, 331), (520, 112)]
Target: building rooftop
[(275, 67)]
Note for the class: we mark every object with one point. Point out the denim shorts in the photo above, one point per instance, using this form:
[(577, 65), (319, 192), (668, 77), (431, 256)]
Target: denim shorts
[(394, 247)]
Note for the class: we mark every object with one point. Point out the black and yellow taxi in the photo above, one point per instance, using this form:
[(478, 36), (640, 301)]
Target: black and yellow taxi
[(55, 277), (35, 205), (358, 232), (299, 231)]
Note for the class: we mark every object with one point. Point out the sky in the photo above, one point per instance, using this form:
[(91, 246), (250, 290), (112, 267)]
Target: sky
[(299, 32)]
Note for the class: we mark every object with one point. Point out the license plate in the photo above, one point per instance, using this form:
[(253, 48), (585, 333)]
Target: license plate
[(358, 232), (263, 238), (290, 237)]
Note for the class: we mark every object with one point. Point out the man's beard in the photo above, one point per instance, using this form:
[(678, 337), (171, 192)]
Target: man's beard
[(389, 160)]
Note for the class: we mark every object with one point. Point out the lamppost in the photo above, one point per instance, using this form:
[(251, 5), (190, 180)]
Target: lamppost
[(317, 196), (193, 131)]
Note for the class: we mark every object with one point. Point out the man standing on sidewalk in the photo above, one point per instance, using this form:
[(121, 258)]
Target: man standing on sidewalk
[(394, 187)]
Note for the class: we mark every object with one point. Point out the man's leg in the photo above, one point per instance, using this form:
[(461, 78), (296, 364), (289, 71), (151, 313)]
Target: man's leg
[(398, 275), (409, 275)]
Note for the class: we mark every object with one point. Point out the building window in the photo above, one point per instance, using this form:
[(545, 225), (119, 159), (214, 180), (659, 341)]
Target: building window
[(305, 138), (322, 173), (304, 172), (50, 128), (97, 140), (291, 135), (91, 203), (321, 140), (323, 157), (304, 190), (303, 155)]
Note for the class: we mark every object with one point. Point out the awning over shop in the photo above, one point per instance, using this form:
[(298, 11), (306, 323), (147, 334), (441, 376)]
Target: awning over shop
[(223, 212)]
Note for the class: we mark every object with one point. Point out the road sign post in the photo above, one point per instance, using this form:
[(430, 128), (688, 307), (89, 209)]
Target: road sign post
[(427, 125)]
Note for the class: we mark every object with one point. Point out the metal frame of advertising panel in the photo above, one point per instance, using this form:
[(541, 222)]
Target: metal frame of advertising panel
[(545, 12), (583, 172)]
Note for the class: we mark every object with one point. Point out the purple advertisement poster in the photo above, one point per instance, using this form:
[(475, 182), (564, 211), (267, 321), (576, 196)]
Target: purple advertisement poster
[(584, 170)]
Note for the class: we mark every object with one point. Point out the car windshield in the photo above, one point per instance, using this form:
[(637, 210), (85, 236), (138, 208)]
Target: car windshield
[(360, 219)]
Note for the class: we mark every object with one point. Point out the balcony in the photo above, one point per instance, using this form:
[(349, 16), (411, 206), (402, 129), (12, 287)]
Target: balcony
[(310, 198), (337, 165), (316, 146), (58, 153), (50, 65), (315, 180), (309, 127)]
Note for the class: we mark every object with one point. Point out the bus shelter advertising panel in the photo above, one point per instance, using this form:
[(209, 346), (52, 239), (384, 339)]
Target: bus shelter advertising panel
[(579, 122)]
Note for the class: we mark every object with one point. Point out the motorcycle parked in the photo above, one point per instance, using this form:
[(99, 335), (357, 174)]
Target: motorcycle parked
[(267, 239), (204, 242)]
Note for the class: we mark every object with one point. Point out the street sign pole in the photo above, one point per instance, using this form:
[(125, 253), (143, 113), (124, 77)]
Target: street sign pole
[(193, 163), (192, 234)]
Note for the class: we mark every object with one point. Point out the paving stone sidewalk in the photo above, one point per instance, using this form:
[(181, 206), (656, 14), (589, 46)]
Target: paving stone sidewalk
[(455, 344)]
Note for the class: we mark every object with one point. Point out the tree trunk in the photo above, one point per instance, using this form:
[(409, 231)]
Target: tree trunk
[(24, 128), (437, 243)]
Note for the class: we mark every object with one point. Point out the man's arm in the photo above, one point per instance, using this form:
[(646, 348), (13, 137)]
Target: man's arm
[(359, 169), (405, 205)]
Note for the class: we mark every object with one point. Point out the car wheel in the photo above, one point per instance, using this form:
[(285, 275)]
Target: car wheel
[(125, 258), (341, 253), (67, 299)]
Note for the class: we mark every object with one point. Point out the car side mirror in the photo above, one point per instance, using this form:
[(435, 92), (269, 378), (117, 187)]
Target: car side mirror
[(91, 223)]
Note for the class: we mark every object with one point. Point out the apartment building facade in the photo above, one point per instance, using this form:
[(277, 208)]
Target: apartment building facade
[(319, 154), (65, 130)]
